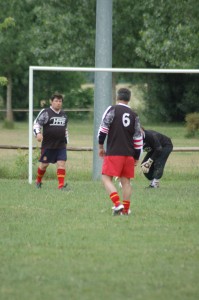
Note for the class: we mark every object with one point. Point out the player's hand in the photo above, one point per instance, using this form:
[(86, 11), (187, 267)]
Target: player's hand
[(136, 163), (101, 152), (39, 137), (146, 165)]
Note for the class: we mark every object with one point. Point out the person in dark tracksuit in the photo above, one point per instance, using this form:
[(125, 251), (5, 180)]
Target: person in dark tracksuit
[(158, 148)]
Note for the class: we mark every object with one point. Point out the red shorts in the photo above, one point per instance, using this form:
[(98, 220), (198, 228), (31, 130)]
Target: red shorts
[(118, 166)]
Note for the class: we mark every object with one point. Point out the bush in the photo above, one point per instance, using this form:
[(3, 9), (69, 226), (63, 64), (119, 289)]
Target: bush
[(80, 99), (192, 124)]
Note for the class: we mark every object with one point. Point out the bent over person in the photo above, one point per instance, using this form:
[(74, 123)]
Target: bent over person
[(53, 138), (158, 148), (121, 126)]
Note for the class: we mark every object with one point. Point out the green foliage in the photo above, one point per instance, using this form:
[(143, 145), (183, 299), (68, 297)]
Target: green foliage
[(169, 37), (168, 97), (127, 22), (52, 33), (189, 101), (3, 81), (80, 99), (8, 22), (192, 124), (22, 161), (69, 84), (62, 33)]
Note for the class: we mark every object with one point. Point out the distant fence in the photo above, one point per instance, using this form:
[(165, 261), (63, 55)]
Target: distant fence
[(175, 149), (69, 109), (11, 147)]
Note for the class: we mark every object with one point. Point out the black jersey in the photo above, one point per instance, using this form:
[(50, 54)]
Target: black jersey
[(54, 128), (154, 142), (122, 126)]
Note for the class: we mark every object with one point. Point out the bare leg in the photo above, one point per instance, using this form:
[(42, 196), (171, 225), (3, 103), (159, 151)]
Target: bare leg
[(43, 166), (108, 184), (126, 188), (61, 164)]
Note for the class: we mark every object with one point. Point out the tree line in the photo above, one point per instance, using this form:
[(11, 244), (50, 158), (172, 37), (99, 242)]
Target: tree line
[(146, 34)]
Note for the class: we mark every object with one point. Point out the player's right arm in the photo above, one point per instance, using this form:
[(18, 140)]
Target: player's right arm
[(40, 120), (107, 119)]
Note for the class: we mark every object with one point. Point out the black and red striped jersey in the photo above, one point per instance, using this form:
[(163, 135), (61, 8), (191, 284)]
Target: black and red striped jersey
[(122, 127), (54, 124)]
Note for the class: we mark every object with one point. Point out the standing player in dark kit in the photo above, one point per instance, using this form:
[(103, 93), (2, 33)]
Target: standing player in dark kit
[(121, 126), (158, 148), (54, 121)]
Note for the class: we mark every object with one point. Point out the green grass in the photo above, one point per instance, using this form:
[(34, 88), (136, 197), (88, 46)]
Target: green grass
[(67, 245)]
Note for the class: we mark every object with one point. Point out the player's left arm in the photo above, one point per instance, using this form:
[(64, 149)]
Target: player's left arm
[(66, 136), (137, 140), (153, 143), (155, 146)]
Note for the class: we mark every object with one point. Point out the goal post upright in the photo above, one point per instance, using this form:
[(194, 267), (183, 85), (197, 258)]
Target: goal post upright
[(84, 69), (30, 123)]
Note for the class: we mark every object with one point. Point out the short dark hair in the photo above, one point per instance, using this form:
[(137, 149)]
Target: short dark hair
[(124, 94), (58, 96)]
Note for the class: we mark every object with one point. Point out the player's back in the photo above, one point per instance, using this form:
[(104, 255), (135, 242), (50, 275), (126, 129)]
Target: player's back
[(121, 131)]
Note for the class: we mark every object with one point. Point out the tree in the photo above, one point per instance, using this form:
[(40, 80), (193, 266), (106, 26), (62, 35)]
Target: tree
[(45, 33), (64, 33), (7, 23), (152, 33), (14, 53), (169, 37)]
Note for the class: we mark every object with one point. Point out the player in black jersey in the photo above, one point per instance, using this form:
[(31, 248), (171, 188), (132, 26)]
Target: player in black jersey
[(54, 138), (158, 148), (122, 128)]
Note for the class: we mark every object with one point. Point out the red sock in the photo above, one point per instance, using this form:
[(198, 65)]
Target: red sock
[(126, 204), (115, 198), (40, 174), (61, 176)]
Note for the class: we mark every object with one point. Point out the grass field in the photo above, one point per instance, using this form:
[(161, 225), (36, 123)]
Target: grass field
[(67, 245)]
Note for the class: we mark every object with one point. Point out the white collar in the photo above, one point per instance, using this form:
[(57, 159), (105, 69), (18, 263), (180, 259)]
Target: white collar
[(123, 104)]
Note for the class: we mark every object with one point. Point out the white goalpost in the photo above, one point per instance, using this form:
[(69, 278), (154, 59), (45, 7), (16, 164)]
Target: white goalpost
[(76, 69)]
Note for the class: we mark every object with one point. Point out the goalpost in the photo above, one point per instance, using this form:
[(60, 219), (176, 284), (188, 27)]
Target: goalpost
[(76, 69)]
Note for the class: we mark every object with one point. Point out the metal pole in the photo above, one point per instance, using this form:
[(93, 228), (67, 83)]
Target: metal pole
[(30, 123), (103, 80)]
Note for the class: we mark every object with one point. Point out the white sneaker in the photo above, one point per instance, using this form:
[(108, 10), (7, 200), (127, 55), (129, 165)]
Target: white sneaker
[(155, 185), (126, 213), (117, 209)]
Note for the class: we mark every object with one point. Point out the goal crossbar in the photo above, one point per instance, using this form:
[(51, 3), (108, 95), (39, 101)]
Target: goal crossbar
[(82, 69)]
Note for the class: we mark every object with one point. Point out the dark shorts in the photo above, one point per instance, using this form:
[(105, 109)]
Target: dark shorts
[(52, 155), (118, 166)]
